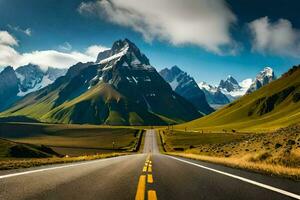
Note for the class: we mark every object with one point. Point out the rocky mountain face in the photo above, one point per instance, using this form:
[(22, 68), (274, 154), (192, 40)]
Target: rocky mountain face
[(120, 88), (230, 89), (230, 84), (263, 78), (8, 87), (186, 86), (32, 77), (29, 78), (214, 95)]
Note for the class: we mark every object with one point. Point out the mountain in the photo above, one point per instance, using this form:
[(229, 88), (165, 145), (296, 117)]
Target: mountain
[(273, 106), (230, 84), (8, 87), (25, 79), (214, 95), (121, 88), (32, 77), (263, 78), (187, 87)]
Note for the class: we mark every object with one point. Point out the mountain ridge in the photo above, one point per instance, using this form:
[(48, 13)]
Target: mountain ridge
[(184, 85), (273, 106), (141, 96)]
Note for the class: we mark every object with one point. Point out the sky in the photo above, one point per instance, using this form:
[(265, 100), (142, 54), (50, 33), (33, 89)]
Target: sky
[(209, 39)]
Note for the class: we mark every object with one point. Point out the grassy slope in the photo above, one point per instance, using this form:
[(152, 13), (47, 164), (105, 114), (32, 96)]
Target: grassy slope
[(101, 104), (71, 139), (10, 149), (236, 114)]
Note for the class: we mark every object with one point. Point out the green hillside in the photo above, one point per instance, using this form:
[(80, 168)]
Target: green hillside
[(273, 106), (124, 89)]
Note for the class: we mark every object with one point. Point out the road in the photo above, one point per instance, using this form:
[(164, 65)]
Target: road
[(149, 175)]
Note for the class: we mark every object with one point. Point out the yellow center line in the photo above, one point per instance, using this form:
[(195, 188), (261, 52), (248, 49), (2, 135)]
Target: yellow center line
[(145, 168), (150, 169), (140, 193), (152, 195), (149, 178)]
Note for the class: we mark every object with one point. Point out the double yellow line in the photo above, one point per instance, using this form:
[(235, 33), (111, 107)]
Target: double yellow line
[(141, 189)]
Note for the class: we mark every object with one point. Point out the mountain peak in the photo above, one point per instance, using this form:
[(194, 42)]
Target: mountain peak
[(264, 77), (267, 71), (232, 80), (230, 84), (176, 70), (123, 48), (185, 85), (7, 69)]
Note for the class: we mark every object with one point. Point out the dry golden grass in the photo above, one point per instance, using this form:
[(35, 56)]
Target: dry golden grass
[(276, 153), (34, 162), (243, 163)]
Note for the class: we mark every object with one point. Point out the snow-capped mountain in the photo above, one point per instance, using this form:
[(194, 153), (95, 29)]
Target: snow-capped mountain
[(264, 77), (25, 79), (234, 89), (120, 88), (186, 86), (32, 77), (230, 84), (214, 95)]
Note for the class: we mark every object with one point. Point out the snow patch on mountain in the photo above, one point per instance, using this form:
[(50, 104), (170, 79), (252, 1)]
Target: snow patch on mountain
[(43, 83), (264, 77)]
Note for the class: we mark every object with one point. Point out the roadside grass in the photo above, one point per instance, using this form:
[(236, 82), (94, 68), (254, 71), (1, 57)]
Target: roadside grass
[(7, 164), (160, 141), (275, 153), (142, 142), (243, 163)]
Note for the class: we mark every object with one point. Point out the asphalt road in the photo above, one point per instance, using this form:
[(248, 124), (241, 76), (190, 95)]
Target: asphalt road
[(143, 176)]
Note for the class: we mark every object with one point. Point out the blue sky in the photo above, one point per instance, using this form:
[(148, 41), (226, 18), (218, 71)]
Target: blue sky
[(71, 26)]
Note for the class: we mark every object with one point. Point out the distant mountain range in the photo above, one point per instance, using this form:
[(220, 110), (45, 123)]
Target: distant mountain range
[(120, 88), (186, 86), (15, 84), (268, 108), (229, 90)]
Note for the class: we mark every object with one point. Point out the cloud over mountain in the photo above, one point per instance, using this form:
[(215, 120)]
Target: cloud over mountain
[(46, 58), (205, 23), (279, 37)]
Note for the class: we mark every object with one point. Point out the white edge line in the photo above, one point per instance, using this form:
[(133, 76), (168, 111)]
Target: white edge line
[(243, 179), (58, 167)]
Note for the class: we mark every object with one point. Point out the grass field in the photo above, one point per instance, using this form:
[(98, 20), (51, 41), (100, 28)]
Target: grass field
[(276, 153), (73, 140), (179, 140)]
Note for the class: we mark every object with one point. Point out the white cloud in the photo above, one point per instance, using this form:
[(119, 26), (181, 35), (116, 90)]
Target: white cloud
[(10, 56), (279, 38), (7, 39), (94, 50), (205, 23), (26, 31)]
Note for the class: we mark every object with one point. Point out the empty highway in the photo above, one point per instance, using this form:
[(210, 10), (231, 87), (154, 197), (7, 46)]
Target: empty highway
[(148, 175)]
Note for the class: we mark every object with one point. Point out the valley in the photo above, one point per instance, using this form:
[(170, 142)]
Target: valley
[(148, 100)]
